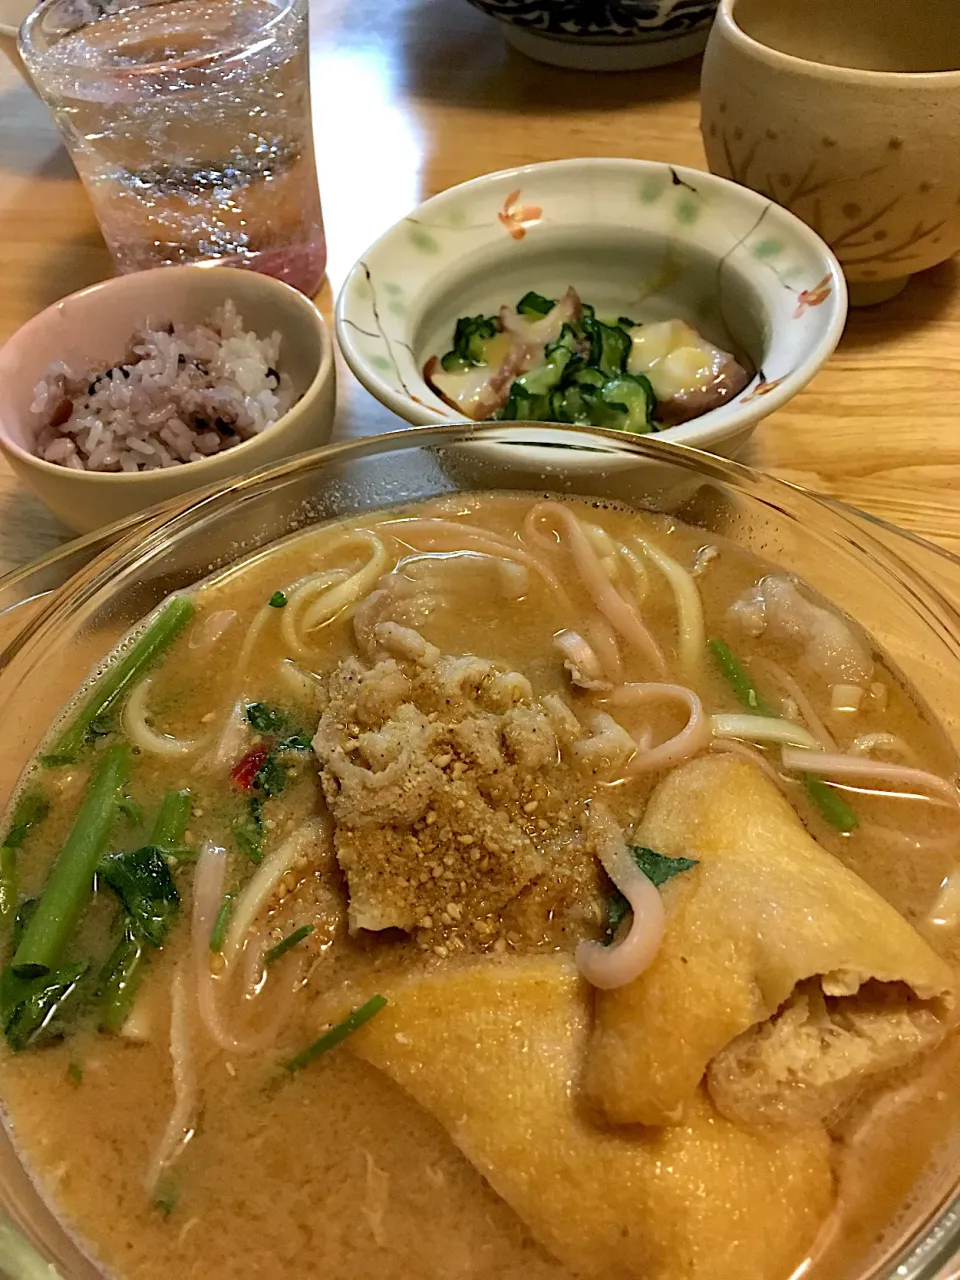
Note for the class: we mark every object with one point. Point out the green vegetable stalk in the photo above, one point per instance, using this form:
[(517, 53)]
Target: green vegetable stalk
[(70, 882), (118, 678), (30, 809)]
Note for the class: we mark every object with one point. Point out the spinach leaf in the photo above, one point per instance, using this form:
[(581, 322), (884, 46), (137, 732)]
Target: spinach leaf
[(271, 778), (31, 808), (143, 883), (657, 867), (40, 1006), (266, 719)]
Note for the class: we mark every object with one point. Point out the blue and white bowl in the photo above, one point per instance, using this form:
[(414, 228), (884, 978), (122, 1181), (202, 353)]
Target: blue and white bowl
[(604, 35)]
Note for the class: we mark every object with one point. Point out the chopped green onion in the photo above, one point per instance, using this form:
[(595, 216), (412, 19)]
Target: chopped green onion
[(336, 1035), (735, 674), (116, 680), (833, 807), (70, 882), (277, 600), (288, 943), (219, 932), (75, 1072)]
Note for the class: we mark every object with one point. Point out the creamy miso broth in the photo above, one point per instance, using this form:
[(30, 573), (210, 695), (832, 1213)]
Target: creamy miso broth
[(489, 888)]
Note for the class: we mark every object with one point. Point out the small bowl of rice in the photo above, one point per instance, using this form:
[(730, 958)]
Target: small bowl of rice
[(147, 386)]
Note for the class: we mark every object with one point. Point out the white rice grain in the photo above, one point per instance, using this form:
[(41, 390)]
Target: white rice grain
[(182, 395)]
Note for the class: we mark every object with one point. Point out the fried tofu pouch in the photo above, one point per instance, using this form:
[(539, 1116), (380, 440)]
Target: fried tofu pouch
[(783, 977), (493, 1049)]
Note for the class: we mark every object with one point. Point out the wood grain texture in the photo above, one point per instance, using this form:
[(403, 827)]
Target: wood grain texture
[(411, 96)]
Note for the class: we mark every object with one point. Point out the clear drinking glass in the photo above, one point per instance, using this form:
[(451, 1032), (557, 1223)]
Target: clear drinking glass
[(189, 123)]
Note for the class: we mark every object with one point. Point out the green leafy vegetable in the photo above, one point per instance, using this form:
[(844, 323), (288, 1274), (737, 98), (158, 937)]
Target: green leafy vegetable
[(41, 1004), (219, 931), (150, 900), (657, 867), (70, 882), (247, 834), (75, 1072), (266, 719), (143, 883), (287, 943), (618, 908), (30, 809), (736, 676), (271, 778), (336, 1035), (277, 601), (469, 342), (534, 305), (117, 679), (120, 978)]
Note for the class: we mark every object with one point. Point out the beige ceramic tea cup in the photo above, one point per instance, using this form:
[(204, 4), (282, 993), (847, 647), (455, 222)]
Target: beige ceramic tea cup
[(847, 112)]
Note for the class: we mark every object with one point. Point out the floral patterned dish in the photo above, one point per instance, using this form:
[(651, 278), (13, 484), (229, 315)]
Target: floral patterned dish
[(604, 35), (637, 237)]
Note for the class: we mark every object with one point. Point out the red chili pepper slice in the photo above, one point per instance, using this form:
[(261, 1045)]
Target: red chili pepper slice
[(244, 771)]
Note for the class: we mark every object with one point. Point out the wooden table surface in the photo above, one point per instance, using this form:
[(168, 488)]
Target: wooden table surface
[(411, 96)]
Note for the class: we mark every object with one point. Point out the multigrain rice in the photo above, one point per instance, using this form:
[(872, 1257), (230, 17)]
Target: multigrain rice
[(179, 395)]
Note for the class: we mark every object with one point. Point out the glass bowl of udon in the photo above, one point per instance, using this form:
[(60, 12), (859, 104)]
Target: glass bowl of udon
[(426, 859)]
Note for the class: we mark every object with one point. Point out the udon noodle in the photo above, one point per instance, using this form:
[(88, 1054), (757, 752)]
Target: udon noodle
[(502, 890)]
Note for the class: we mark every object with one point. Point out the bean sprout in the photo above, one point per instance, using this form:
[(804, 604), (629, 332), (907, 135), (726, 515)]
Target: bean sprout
[(692, 636), (762, 729), (179, 1128), (264, 881)]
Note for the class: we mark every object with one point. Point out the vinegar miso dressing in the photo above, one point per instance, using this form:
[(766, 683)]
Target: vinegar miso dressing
[(392, 837)]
